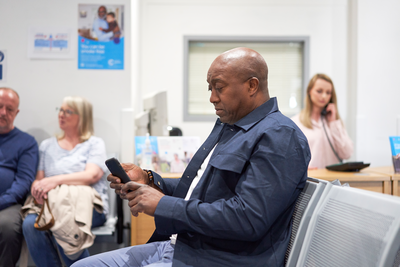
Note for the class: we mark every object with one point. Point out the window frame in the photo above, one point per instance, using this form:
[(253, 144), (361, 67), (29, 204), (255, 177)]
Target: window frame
[(305, 40)]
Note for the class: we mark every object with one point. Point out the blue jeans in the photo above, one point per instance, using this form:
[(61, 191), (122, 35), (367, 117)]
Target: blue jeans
[(156, 254), (43, 246)]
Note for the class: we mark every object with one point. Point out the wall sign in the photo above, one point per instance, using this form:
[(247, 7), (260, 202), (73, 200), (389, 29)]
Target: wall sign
[(44, 42), (101, 37), (3, 59)]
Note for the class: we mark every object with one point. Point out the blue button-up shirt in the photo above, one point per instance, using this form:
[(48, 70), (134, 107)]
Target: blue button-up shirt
[(240, 212)]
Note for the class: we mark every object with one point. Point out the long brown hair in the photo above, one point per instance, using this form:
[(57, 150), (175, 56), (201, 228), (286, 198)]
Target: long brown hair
[(305, 114)]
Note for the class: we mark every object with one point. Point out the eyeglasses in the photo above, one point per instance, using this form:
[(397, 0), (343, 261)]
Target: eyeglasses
[(66, 112)]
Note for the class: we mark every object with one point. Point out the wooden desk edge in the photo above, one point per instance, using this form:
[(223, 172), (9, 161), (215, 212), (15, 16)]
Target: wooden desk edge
[(352, 178)]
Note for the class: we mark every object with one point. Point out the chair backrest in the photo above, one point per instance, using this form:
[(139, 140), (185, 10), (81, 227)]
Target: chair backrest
[(353, 227), (304, 209)]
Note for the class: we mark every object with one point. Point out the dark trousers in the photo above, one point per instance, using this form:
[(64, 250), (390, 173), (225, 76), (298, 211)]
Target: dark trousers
[(10, 235)]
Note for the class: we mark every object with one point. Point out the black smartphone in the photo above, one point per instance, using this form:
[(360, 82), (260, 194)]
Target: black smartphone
[(116, 169)]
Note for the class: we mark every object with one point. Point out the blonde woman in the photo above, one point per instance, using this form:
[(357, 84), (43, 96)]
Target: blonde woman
[(75, 157), (321, 124)]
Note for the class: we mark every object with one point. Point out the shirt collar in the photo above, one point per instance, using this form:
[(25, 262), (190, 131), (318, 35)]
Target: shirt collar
[(258, 114)]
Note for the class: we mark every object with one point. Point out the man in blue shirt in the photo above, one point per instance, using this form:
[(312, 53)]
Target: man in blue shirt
[(236, 209), (18, 163)]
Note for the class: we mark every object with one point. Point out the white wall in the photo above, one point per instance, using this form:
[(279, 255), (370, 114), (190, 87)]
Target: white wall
[(42, 84), (355, 42), (165, 22), (378, 113)]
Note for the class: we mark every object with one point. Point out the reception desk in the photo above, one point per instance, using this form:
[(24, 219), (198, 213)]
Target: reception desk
[(142, 227), (365, 179), (394, 177)]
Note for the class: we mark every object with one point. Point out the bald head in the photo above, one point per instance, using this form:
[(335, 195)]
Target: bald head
[(238, 81), (11, 93), (246, 63)]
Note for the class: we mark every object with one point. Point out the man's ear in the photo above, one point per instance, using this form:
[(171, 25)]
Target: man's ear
[(253, 85)]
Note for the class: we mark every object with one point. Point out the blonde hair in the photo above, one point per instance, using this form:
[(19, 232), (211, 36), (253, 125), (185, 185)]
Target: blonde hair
[(305, 114), (84, 109)]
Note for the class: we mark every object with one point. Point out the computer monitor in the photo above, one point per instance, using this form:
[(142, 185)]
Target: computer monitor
[(154, 118)]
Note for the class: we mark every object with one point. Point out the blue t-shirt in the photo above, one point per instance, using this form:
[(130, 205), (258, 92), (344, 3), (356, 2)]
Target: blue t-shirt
[(55, 160), (18, 163)]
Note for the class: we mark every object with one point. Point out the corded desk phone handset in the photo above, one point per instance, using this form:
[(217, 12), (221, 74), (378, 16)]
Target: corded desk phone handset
[(324, 112)]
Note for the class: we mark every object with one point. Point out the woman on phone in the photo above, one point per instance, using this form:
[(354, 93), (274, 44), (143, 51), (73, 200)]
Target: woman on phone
[(75, 157), (321, 124)]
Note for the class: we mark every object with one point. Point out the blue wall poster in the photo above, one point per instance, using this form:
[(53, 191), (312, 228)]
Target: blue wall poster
[(101, 37)]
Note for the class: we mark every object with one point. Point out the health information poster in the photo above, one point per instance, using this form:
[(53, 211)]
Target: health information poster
[(100, 36)]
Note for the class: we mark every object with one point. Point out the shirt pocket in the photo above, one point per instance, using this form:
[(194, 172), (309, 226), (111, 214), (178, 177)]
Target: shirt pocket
[(226, 172), (228, 162)]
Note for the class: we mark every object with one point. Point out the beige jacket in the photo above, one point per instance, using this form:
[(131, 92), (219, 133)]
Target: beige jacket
[(72, 208)]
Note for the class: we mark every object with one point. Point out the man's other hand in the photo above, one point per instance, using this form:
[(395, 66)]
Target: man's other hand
[(142, 198)]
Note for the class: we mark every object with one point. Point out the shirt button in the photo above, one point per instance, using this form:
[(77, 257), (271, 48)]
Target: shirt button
[(204, 148), (158, 183), (188, 176), (231, 130)]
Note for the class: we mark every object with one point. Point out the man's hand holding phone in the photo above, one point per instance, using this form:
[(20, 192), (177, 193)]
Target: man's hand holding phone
[(124, 173), (131, 182)]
